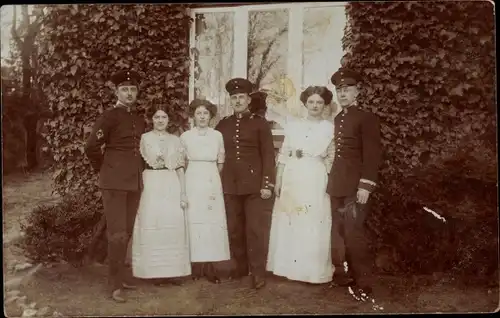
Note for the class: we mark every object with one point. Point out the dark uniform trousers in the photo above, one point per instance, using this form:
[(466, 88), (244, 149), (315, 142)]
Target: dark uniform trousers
[(249, 222), (120, 180), (120, 210), (349, 222)]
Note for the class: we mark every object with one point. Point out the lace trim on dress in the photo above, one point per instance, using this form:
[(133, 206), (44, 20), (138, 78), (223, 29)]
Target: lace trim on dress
[(162, 152)]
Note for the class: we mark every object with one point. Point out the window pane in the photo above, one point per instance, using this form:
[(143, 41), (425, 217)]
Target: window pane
[(268, 52), (322, 44), (213, 58), (267, 46)]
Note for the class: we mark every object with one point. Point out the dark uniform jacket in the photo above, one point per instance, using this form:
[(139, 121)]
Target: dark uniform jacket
[(358, 152), (250, 159), (121, 164)]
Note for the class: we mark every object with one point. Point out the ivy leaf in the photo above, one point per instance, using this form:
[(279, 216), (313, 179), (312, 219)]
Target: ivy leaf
[(457, 90), (100, 51), (74, 68)]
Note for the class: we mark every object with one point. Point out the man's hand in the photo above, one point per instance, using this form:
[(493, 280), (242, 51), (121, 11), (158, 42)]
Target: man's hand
[(265, 193), (362, 196)]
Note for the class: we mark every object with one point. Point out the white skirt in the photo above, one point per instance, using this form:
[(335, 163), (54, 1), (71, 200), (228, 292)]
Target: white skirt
[(206, 214), (160, 241), (299, 245)]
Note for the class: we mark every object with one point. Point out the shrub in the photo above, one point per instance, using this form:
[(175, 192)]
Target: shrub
[(429, 75), (61, 231)]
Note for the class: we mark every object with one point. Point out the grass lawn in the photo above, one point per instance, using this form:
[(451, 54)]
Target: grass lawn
[(82, 291)]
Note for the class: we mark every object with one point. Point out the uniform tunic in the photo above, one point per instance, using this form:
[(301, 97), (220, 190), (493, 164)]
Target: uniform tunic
[(249, 167), (357, 152), (120, 166), (206, 213), (250, 163)]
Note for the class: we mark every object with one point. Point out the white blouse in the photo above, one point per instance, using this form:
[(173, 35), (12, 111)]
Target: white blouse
[(162, 150), (313, 138)]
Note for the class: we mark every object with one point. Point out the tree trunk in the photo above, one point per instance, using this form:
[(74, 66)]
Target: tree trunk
[(30, 125)]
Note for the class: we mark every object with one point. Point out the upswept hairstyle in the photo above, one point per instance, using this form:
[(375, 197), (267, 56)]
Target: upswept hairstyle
[(322, 91), (212, 109)]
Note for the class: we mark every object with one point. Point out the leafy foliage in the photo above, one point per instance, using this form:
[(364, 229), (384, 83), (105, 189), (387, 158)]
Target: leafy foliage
[(429, 75), (80, 47), (60, 232)]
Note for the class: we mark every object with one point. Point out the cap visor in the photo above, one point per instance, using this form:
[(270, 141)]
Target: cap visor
[(346, 82), (239, 91), (127, 83)]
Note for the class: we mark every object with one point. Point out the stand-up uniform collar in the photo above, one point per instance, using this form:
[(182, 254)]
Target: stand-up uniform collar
[(122, 105), (241, 115), (353, 105)]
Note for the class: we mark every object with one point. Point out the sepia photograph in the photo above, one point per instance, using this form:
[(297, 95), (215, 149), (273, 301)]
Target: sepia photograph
[(249, 158)]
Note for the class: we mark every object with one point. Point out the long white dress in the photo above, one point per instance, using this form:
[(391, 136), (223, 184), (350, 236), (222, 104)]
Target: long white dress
[(206, 214), (160, 246), (299, 246)]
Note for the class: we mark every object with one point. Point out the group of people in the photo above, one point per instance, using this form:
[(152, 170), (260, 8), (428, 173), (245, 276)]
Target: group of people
[(218, 194)]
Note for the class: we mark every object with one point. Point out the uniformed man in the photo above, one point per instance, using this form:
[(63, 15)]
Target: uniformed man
[(247, 180), (352, 178), (120, 167)]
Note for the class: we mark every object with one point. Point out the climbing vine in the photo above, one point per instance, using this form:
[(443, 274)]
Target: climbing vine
[(81, 46)]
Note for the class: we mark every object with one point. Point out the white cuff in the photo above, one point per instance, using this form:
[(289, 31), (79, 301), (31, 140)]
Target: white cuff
[(368, 182)]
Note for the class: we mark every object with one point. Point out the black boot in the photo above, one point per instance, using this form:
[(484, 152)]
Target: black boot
[(210, 273), (196, 270), (258, 281)]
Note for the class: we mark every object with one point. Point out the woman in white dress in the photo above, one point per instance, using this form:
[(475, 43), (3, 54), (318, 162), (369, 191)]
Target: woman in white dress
[(206, 214), (160, 241), (299, 246)]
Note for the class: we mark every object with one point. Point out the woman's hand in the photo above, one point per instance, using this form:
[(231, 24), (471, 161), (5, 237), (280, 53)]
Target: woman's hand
[(184, 201), (277, 187)]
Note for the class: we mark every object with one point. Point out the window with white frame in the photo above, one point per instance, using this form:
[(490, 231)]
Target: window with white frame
[(279, 47)]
